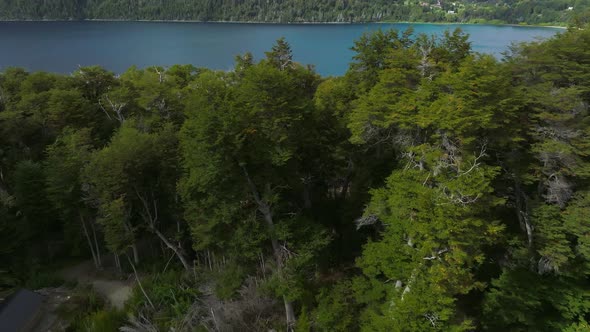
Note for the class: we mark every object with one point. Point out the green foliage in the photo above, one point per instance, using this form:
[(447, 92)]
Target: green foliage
[(439, 106), (577, 327), (125, 178), (228, 281), (428, 189), (172, 293), (540, 288), (43, 279), (235, 130), (303, 323), (29, 193), (337, 309), (520, 299), (63, 170), (118, 234), (82, 307), (479, 11), (104, 320)]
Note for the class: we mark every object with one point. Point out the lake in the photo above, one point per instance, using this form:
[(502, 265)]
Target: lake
[(62, 46)]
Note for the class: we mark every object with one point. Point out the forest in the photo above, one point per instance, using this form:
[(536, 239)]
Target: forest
[(554, 12), (430, 188)]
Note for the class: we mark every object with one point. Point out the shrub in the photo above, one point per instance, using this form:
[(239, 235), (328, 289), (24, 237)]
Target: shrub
[(104, 320), (228, 281), (43, 280)]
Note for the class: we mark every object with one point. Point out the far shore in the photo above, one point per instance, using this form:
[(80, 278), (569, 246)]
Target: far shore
[(482, 23), (297, 23)]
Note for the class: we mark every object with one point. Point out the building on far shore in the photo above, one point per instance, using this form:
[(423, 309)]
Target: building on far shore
[(21, 311)]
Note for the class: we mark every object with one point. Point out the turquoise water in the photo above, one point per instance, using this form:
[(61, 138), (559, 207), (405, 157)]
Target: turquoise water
[(62, 46)]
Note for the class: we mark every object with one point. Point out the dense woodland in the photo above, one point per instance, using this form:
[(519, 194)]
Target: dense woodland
[(495, 11), (428, 189)]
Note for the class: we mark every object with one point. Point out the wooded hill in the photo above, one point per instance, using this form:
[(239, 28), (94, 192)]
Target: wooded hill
[(507, 11), (428, 189)]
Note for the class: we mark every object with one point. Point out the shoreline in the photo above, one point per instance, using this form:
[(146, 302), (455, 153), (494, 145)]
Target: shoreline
[(296, 23), (484, 23)]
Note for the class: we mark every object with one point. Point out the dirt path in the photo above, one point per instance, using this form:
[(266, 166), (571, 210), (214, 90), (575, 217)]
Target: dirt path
[(117, 292)]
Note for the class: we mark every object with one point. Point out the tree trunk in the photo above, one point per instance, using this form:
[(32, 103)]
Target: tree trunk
[(139, 282), (135, 253), (90, 245), (346, 182), (522, 212), (98, 258), (151, 218), (209, 260), (344, 191), (177, 250), (306, 196), (290, 314), (264, 208), (167, 263), (118, 263)]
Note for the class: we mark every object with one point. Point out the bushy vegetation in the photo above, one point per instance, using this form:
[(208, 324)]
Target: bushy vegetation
[(505, 11), (428, 189), (85, 310)]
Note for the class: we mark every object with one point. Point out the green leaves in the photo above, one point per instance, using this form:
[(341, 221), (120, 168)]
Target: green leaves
[(337, 309), (280, 56), (132, 182), (245, 153), (576, 223), (469, 175), (291, 11), (119, 235), (441, 108), (64, 167)]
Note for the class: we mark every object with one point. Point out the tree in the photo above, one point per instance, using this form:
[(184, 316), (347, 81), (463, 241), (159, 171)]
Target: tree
[(64, 164), (37, 217), (372, 52), (430, 188), (133, 179), (546, 261), (435, 205), (280, 56), (240, 143)]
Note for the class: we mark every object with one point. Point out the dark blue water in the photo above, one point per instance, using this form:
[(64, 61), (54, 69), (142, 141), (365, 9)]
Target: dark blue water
[(62, 46)]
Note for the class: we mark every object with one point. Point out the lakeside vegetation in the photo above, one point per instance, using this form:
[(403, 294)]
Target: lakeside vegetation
[(428, 189), (545, 12)]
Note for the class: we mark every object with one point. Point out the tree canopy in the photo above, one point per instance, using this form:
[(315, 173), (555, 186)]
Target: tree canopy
[(282, 11), (430, 188)]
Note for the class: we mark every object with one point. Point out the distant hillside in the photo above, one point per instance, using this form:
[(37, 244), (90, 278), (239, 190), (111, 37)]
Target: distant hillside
[(509, 11)]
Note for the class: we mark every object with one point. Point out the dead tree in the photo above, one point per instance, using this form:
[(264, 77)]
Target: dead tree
[(522, 211), (150, 216), (265, 209), (112, 107), (92, 242)]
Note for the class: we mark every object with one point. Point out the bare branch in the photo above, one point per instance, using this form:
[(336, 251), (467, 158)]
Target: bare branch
[(114, 107), (546, 265), (436, 255), (458, 197), (476, 162), (559, 190), (366, 221), (432, 317)]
